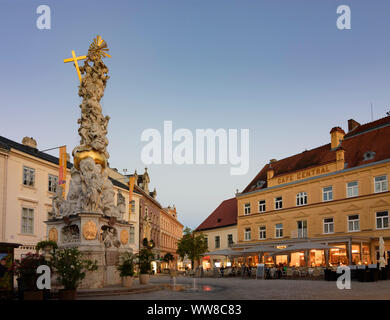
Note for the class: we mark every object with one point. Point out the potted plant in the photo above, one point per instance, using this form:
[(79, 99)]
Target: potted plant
[(126, 268), (71, 268), (145, 257), (26, 272)]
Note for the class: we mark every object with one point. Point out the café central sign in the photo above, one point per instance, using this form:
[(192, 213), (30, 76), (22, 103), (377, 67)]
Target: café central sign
[(303, 174)]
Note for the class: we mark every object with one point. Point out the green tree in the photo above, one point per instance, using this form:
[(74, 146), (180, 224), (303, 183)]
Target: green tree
[(192, 245), (168, 257)]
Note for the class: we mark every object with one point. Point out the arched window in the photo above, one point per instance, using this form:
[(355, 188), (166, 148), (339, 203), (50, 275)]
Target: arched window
[(301, 198)]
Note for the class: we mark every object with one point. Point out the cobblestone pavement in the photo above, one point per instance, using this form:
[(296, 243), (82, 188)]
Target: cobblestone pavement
[(237, 288)]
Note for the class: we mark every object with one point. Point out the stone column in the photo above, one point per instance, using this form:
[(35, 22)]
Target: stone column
[(327, 252), (349, 251)]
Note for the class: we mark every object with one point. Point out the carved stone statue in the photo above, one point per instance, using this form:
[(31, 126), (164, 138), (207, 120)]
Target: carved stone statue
[(57, 203), (120, 205), (110, 237), (147, 226), (90, 190)]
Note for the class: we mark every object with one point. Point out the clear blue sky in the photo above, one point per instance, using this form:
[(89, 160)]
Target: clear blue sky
[(280, 68)]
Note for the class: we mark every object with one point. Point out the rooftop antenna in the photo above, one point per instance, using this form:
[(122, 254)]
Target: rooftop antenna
[(372, 113)]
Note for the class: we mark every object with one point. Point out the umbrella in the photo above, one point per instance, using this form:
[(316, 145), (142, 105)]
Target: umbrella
[(382, 261)]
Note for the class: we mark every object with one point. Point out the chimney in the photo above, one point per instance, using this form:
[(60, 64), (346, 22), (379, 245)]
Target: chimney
[(30, 142), (340, 158), (336, 136), (352, 124), (270, 171)]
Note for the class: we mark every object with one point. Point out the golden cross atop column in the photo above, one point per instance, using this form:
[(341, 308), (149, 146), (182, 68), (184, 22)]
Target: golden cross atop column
[(75, 59), (98, 47)]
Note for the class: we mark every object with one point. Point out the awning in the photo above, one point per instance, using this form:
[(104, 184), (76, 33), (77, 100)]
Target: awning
[(303, 246), (224, 252), (258, 249)]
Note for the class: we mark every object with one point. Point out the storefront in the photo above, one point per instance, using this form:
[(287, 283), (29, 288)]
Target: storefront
[(317, 252)]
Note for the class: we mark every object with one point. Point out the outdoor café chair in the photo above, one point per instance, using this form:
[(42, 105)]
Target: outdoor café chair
[(303, 272), (272, 273)]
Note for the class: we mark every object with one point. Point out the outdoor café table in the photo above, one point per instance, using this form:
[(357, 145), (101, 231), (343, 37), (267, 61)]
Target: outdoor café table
[(330, 275)]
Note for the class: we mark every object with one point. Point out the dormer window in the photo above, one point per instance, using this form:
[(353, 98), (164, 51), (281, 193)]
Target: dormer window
[(260, 183), (369, 155)]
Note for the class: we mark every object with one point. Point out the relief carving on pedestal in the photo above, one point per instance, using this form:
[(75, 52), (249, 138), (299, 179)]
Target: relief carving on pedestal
[(124, 236), (89, 230), (70, 234), (53, 234)]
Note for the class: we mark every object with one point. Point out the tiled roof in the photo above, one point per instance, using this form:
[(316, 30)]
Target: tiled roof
[(31, 151), (369, 126), (8, 144), (225, 215), (373, 136)]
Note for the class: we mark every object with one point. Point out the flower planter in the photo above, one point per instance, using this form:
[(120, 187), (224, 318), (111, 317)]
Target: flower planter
[(33, 295), (67, 294), (143, 278), (127, 282)]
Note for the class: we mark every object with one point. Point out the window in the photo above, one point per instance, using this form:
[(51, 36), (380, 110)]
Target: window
[(262, 233), (262, 206), (382, 220), (279, 230), (301, 198), (278, 203), (28, 176), (206, 240), (352, 189), (328, 225), (380, 184), (302, 228), (132, 206), (369, 155), (230, 239), (27, 221), (260, 183), (53, 181), (247, 208), (327, 194), (132, 234), (247, 234), (217, 242), (353, 223)]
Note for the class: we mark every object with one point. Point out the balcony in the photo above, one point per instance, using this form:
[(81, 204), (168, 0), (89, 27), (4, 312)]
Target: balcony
[(299, 234)]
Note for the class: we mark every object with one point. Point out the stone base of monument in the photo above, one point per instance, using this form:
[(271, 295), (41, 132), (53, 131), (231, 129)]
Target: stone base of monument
[(100, 238)]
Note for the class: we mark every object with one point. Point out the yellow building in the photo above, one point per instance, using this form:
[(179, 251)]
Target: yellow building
[(28, 179), (335, 195)]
